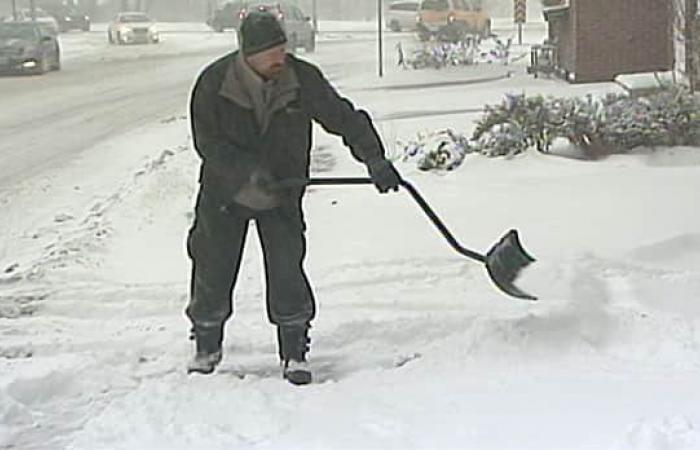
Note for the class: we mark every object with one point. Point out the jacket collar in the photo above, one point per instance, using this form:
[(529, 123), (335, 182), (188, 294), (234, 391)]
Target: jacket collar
[(239, 78)]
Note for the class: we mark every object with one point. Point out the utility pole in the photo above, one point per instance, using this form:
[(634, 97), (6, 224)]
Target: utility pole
[(32, 10), (691, 66), (14, 10), (520, 17), (314, 14), (379, 31)]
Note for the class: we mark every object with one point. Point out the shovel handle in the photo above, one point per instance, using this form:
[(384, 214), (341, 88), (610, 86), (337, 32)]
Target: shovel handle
[(330, 181)]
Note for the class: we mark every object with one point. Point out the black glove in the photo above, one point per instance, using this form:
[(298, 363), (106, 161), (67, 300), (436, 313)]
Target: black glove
[(384, 175), (257, 192)]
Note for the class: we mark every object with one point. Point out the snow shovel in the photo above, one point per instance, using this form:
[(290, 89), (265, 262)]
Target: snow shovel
[(503, 261)]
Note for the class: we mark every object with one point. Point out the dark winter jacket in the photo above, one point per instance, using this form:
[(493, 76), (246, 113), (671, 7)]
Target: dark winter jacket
[(232, 145)]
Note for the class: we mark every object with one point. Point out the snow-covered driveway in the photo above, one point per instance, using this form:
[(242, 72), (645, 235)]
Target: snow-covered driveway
[(413, 347)]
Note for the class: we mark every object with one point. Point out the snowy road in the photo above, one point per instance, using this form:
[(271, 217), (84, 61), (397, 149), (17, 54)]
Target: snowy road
[(48, 120)]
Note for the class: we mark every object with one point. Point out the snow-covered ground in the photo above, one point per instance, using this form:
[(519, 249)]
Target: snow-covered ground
[(413, 347)]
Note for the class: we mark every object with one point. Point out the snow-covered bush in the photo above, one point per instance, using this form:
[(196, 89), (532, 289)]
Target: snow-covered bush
[(671, 117), (523, 117), (614, 123), (503, 139), (611, 124), (576, 119), (436, 55), (437, 150)]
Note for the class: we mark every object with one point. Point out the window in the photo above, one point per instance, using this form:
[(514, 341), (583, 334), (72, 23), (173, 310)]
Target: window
[(17, 31), (127, 18), (461, 5), (296, 14), (407, 6), (554, 4), (435, 5), (45, 31)]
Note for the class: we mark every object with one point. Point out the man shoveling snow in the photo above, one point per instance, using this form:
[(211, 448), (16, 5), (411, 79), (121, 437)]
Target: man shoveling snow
[(251, 114)]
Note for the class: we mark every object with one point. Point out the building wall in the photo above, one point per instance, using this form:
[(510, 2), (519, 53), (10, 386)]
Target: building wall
[(622, 36), (561, 33), (599, 39)]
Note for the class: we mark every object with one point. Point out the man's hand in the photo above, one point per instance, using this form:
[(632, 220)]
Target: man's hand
[(257, 193), (384, 175)]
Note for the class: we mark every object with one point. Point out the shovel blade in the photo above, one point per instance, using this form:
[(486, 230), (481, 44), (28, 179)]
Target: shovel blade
[(504, 262)]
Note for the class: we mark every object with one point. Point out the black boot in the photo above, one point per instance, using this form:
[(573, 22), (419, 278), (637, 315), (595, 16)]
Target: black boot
[(208, 342), (293, 346)]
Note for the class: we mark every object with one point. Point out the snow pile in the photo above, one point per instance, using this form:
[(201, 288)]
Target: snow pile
[(410, 344), (442, 149)]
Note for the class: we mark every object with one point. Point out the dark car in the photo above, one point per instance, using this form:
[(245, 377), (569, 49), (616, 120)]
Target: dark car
[(227, 17), (29, 47), (69, 17), (300, 31)]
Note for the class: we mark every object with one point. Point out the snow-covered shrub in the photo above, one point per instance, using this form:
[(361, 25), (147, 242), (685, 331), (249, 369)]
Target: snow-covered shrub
[(576, 119), (493, 50), (437, 150), (670, 117), (523, 117), (628, 123), (436, 55), (598, 126), (503, 139), (613, 123)]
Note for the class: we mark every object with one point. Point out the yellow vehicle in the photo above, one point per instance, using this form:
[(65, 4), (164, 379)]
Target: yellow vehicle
[(452, 20)]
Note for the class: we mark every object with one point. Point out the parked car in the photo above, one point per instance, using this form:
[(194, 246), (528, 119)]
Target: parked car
[(25, 15), (30, 47), (452, 20), (69, 17), (133, 28), (402, 15), (227, 17), (300, 31)]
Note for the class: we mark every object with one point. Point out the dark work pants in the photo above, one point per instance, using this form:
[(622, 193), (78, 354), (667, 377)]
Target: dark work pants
[(215, 245)]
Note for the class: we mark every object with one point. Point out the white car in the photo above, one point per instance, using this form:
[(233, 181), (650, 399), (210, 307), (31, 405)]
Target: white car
[(402, 15), (133, 28)]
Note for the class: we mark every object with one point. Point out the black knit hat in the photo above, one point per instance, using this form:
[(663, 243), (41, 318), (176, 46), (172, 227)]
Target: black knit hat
[(260, 31)]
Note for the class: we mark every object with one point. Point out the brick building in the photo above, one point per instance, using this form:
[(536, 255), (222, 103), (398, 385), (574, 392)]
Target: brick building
[(599, 39)]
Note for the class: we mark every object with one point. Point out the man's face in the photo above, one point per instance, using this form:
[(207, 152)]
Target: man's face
[(269, 63)]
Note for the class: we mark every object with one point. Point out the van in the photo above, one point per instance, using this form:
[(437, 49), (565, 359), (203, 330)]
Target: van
[(401, 15), (452, 20)]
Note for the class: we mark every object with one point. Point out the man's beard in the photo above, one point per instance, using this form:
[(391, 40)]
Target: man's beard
[(275, 70)]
